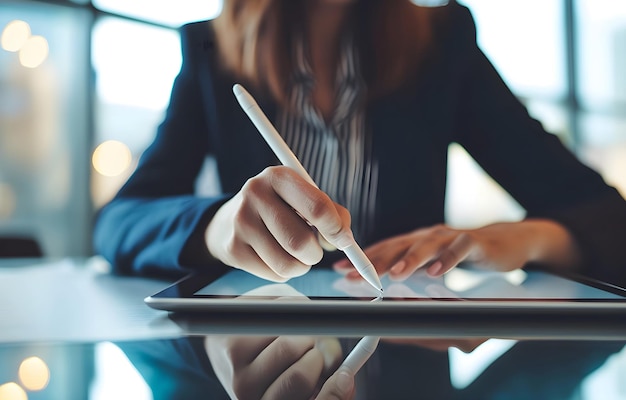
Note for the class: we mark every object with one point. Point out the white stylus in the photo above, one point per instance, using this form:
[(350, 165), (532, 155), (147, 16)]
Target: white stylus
[(354, 253), (361, 352)]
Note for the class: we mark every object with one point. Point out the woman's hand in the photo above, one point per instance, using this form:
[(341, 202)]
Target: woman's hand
[(284, 367), (279, 367), (265, 228), (340, 386), (502, 246)]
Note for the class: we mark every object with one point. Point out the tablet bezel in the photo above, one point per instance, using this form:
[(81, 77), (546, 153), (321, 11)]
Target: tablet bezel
[(179, 297)]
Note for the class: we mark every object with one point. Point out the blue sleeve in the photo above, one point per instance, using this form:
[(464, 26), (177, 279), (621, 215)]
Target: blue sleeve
[(175, 368), (534, 166), (156, 223)]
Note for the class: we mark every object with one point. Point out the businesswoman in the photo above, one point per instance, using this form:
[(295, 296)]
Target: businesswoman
[(368, 94)]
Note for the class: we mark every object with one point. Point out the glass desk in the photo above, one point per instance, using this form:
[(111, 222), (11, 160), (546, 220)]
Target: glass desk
[(70, 330), (399, 369)]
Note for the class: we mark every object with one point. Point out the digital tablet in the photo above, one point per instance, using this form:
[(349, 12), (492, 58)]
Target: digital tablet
[(465, 292)]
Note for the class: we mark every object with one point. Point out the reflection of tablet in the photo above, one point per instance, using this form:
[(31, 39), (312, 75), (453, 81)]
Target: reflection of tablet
[(462, 292)]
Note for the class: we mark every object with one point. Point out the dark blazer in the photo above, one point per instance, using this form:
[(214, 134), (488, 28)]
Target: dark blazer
[(156, 223)]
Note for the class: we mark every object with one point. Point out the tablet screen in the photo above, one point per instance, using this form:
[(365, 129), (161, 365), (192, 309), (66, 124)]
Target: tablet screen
[(459, 283)]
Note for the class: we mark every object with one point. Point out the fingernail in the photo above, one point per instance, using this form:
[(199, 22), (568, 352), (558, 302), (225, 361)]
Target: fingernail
[(345, 381), (435, 268), (398, 267)]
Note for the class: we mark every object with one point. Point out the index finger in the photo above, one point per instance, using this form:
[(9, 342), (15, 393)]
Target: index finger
[(331, 221), (340, 386)]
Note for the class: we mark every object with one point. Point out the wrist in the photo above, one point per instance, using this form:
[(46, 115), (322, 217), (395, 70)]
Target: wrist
[(216, 232), (550, 243), (209, 235)]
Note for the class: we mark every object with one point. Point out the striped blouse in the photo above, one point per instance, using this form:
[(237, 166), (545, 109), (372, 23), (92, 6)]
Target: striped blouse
[(337, 153)]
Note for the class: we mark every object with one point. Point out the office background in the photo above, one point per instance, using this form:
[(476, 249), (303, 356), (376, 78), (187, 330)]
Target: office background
[(84, 84)]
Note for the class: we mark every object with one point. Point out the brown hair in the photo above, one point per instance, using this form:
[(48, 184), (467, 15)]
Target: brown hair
[(254, 41)]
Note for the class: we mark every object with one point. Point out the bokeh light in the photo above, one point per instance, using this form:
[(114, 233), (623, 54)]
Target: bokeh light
[(34, 373), (14, 35), (12, 391), (111, 158), (8, 201), (34, 52)]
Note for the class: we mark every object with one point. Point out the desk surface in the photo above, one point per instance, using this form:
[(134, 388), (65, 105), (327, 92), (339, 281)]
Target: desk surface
[(76, 301), (98, 340)]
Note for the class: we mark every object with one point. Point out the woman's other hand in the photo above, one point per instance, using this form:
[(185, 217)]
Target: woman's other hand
[(501, 246), (265, 228)]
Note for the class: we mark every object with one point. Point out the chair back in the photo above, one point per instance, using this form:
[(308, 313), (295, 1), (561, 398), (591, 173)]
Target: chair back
[(19, 247)]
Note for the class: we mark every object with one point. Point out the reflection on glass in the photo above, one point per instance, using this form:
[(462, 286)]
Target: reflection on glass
[(15, 35), (115, 377), (466, 366), (607, 381), (12, 391), (34, 373), (267, 367), (410, 367), (50, 371), (252, 366), (462, 282), (359, 355)]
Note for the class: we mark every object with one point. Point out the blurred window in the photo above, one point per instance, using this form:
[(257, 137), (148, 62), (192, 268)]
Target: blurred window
[(135, 66), (602, 54), (44, 125), (524, 39), (601, 67), (135, 63), (166, 12), (525, 42)]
